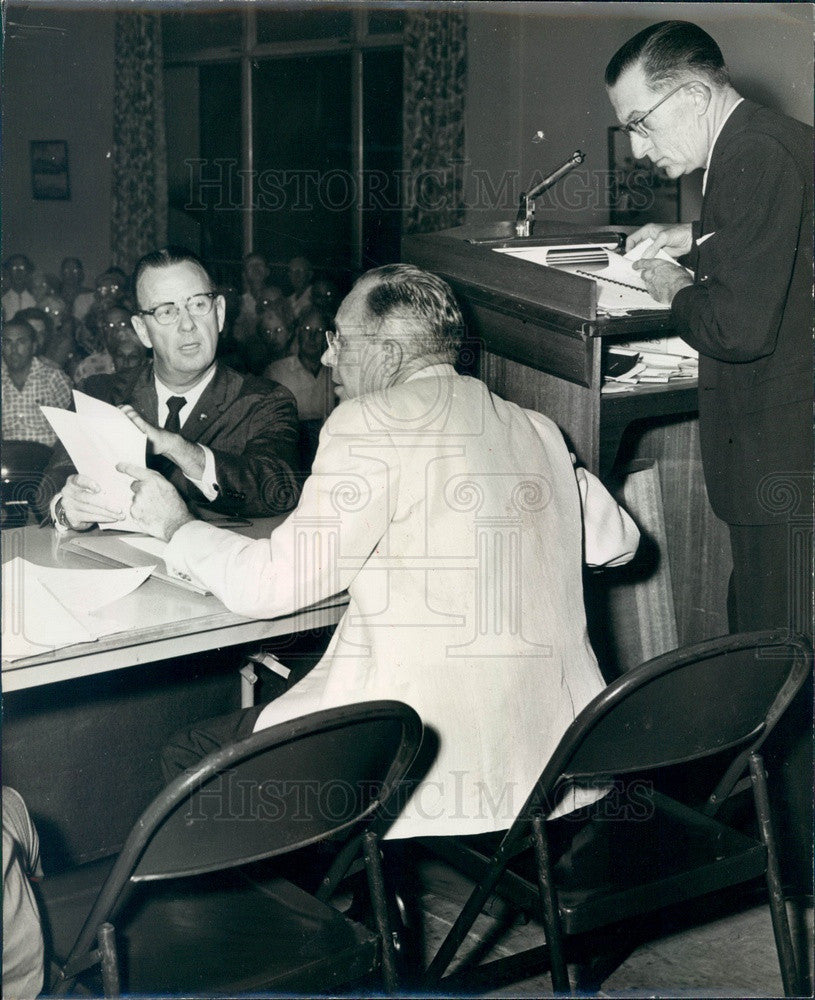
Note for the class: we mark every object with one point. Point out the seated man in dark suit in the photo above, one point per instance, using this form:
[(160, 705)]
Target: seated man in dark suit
[(224, 440)]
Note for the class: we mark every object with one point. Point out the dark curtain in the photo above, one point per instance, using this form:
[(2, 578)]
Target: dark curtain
[(435, 77), (139, 175)]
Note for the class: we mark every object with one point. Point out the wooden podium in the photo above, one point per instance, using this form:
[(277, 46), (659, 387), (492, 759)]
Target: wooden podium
[(541, 338), (535, 337)]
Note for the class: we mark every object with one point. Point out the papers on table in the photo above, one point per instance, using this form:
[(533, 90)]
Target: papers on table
[(47, 608), (134, 550), (98, 436)]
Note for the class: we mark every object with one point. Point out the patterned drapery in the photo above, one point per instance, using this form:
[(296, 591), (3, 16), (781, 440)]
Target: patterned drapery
[(435, 77), (139, 170)]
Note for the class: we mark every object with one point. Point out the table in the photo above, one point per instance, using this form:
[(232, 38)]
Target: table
[(82, 725), (160, 620)]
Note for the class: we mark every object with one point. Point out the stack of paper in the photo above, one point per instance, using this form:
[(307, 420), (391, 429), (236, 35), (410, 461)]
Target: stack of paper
[(46, 608), (98, 436)]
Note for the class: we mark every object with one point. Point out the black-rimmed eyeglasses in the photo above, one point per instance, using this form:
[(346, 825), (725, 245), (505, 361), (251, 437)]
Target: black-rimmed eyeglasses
[(168, 312), (637, 126)]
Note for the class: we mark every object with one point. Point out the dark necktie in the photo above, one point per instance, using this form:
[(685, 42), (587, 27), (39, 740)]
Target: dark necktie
[(175, 404), (158, 462)]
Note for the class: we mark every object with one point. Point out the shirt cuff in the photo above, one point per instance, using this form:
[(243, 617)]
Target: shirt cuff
[(61, 529), (208, 483)]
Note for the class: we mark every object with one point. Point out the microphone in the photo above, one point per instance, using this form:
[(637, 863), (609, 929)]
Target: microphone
[(525, 218)]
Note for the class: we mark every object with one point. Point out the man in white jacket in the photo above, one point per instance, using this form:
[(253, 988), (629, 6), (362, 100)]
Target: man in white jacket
[(453, 519)]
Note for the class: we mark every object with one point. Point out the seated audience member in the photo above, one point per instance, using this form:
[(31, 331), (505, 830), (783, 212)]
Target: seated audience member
[(17, 272), (110, 290), (300, 276), (23, 947), (308, 379), (27, 384), (227, 441), (303, 373), (43, 330), (255, 274), (325, 296), (420, 474), (43, 286), (111, 323), (63, 344), (72, 288), (272, 339)]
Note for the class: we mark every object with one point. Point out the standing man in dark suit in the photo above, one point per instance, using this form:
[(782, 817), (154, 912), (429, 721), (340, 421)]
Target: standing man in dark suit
[(748, 311), (225, 440)]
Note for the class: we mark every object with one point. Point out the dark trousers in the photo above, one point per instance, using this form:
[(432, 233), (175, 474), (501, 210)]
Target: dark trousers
[(186, 748), (771, 587)]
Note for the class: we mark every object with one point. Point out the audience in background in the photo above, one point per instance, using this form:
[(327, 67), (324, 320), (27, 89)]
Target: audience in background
[(127, 354), (270, 341), (28, 383), (255, 275), (17, 272), (72, 287), (43, 285), (310, 382), (67, 334), (43, 329), (301, 274), (111, 288), (113, 321), (325, 296), (303, 373)]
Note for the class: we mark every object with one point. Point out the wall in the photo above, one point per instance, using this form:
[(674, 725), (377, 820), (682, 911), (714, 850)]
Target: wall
[(540, 67), (57, 84)]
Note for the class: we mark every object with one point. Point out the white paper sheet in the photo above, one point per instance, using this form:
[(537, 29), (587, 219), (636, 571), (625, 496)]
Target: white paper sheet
[(97, 437), (47, 608)]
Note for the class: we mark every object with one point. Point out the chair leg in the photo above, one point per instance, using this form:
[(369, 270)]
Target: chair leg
[(549, 907), (109, 960), (778, 909), (376, 882)]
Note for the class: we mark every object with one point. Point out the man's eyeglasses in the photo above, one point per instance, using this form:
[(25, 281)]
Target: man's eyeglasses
[(334, 339), (637, 126), (107, 289), (168, 312), (118, 324)]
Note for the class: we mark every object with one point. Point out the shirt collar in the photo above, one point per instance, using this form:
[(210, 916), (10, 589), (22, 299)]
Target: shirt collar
[(715, 140), (191, 395), (443, 368)]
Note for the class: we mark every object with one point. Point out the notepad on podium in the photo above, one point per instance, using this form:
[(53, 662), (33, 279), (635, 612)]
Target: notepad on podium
[(131, 550)]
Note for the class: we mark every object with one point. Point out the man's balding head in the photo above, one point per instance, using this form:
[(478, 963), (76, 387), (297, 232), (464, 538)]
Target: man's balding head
[(395, 321)]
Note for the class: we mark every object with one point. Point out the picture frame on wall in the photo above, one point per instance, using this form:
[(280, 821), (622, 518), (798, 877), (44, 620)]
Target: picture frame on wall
[(50, 180)]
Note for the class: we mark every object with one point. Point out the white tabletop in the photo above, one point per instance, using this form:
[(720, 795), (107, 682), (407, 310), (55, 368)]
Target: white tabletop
[(159, 620)]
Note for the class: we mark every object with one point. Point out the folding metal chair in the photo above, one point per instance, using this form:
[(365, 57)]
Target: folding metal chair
[(638, 850), (181, 913)]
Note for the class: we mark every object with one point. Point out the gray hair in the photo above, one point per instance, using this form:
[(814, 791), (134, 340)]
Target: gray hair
[(429, 301)]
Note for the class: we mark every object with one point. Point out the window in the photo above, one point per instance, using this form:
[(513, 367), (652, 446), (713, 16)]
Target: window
[(324, 137)]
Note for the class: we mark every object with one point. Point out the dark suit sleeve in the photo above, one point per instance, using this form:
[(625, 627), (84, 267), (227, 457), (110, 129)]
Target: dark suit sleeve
[(734, 309), (258, 479)]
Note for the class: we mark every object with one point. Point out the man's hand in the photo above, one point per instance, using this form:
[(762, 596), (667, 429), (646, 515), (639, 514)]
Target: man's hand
[(662, 279), (157, 506), (189, 457), (674, 239), (81, 506)]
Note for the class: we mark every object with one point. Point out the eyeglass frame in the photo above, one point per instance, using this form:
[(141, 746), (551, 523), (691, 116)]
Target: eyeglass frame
[(152, 312), (334, 339), (636, 127)]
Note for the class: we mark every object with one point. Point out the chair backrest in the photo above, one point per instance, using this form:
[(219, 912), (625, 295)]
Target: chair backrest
[(282, 788), (694, 702)]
